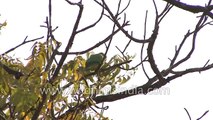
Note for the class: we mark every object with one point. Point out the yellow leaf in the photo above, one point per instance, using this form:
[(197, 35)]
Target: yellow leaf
[(49, 105), (22, 113), (77, 76), (30, 64), (26, 117), (44, 76)]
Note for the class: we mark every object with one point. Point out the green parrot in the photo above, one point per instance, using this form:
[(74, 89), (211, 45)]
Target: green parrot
[(94, 61)]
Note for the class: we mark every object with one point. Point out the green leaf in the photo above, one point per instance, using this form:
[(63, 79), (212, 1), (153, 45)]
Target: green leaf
[(23, 99)]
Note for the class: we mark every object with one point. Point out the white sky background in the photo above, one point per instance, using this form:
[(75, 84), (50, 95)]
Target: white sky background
[(193, 91)]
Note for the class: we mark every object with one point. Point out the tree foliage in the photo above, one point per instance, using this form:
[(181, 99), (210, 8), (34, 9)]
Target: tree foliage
[(23, 88), (49, 86)]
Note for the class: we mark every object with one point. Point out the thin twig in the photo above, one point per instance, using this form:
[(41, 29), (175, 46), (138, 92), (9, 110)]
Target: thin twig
[(203, 115), (24, 42), (92, 25), (96, 45), (119, 26), (188, 114), (142, 48)]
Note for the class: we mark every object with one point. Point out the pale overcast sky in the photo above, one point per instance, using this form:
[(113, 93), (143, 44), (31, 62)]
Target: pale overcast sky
[(193, 91)]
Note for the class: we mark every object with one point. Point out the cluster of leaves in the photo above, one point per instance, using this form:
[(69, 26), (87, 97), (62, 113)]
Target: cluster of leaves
[(15, 94), (20, 95), (85, 77), (93, 76), (95, 72)]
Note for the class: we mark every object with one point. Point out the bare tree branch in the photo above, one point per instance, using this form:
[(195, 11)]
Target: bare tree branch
[(199, 26), (92, 25), (119, 26), (192, 8), (70, 43), (97, 44), (24, 42)]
